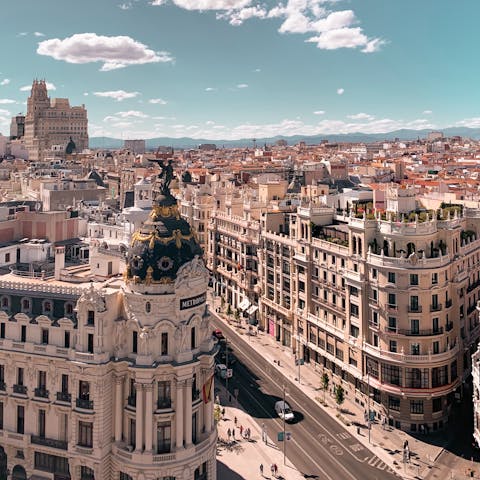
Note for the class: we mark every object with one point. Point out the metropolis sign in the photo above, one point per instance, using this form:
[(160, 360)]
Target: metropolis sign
[(191, 302)]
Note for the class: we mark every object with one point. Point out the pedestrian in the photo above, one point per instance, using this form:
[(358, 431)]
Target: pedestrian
[(235, 421), (229, 434), (261, 469), (223, 412), (233, 433), (275, 469), (241, 430)]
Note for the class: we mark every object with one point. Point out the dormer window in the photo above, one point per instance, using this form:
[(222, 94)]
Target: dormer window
[(47, 307), (26, 305), (148, 307), (5, 303), (68, 309)]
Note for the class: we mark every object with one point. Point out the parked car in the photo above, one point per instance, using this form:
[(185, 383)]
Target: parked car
[(284, 411), (221, 370)]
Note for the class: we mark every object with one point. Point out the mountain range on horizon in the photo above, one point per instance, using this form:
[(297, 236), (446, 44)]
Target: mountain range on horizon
[(359, 137)]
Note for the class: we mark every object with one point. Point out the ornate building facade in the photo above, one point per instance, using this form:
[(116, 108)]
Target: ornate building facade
[(53, 122), (112, 380)]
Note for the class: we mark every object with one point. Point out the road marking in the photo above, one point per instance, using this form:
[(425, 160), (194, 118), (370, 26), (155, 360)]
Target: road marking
[(336, 450), (343, 435), (356, 447)]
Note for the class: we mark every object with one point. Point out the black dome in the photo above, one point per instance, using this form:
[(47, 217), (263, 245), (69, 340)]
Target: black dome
[(163, 244)]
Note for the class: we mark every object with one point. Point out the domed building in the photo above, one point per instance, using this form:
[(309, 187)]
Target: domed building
[(113, 380)]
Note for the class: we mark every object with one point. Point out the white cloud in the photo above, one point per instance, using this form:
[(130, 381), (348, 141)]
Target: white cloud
[(361, 116), (4, 101), (118, 95), (125, 6), (39, 34), (209, 122), (5, 81), (210, 89), (26, 88), (113, 52), (212, 4), (340, 91), (132, 113), (319, 112), (22, 34), (157, 3), (427, 112), (242, 85), (157, 101), (85, 94), (257, 70), (237, 17)]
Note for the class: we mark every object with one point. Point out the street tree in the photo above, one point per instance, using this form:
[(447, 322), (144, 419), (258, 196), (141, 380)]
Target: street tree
[(325, 382), (339, 395)]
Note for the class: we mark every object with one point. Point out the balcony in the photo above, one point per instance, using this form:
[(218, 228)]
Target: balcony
[(421, 333), (414, 309), (85, 403), (49, 442), (64, 397), (436, 307), (21, 389), (41, 392)]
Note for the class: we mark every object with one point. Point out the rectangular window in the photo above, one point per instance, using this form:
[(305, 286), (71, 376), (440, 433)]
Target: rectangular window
[(437, 404), (374, 273), (354, 331), (90, 317), (414, 326), (42, 379), (417, 378), (66, 339), (415, 349), (45, 336), (23, 333), (414, 303), (354, 311), (164, 395), (436, 347), (392, 300), (20, 376), (394, 403), (435, 326), (84, 390), (375, 318), (2, 330), (413, 279), (193, 338), (20, 419), (132, 433), (7, 258), (135, 342), (41, 423), (64, 383), (434, 278), (393, 346), (391, 374), (85, 434), (1, 415), (164, 436), (164, 343), (416, 406), (392, 324), (90, 343), (435, 301), (391, 277)]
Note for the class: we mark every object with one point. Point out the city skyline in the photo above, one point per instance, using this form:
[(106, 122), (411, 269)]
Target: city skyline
[(231, 69)]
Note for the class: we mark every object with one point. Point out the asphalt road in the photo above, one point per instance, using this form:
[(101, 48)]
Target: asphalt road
[(319, 448)]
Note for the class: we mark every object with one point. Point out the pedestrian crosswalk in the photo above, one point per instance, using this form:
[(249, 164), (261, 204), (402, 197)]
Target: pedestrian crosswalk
[(343, 435), (377, 463)]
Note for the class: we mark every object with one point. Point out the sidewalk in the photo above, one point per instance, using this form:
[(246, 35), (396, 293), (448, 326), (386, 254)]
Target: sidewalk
[(385, 441), (240, 459)]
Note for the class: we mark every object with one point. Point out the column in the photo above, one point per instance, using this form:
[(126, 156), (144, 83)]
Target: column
[(188, 413), (139, 417), (148, 416), (118, 408), (179, 414), (208, 412)]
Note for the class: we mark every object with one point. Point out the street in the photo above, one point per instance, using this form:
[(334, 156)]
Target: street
[(320, 448)]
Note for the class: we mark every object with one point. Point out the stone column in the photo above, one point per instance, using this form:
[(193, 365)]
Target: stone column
[(139, 417), (208, 411), (148, 417), (188, 413), (179, 414), (118, 408)]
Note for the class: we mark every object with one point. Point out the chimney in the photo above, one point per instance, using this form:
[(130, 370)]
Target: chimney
[(59, 261)]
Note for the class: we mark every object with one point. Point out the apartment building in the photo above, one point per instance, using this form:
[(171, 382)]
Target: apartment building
[(114, 379)]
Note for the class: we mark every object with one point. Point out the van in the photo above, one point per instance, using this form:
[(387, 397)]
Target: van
[(284, 411), (221, 370)]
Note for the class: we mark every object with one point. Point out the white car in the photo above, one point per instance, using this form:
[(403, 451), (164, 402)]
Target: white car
[(284, 411), (221, 370)]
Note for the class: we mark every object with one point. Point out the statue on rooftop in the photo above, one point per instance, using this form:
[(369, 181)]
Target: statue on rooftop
[(165, 176)]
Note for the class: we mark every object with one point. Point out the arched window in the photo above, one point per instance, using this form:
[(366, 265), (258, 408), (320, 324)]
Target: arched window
[(5, 303), (410, 248), (148, 307), (47, 306), (26, 305), (125, 476)]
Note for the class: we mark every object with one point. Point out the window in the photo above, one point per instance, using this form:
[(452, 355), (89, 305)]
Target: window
[(435, 301), (417, 378), (90, 317), (42, 379), (392, 300), (47, 307), (195, 391), (393, 346), (414, 326), (5, 304), (375, 318), (164, 395), (68, 309), (64, 383), (391, 374), (85, 434), (354, 310), (45, 336), (1, 415), (375, 340), (148, 307), (41, 423), (163, 437), (193, 338), (435, 323), (436, 347), (354, 331), (66, 339), (434, 278), (164, 344), (375, 295), (135, 342), (20, 376), (414, 304), (2, 330), (25, 305), (374, 273), (86, 473), (416, 406), (439, 376), (23, 333), (125, 476), (391, 277), (392, 324), (84, 390), (394, 403), (437, 405), (415, 349), (413, 279), (132, 433), (201, 472), (7, 258), (20, 419), (51, 463), (194, 427), (90, 343)]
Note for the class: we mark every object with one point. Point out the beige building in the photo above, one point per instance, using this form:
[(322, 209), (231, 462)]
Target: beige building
[(111, 380), (53, 122)]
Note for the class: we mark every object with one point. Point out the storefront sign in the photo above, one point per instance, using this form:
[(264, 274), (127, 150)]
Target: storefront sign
[(191, 302)]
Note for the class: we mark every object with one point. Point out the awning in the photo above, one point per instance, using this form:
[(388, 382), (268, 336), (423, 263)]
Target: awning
[(252, 309), (244, 304)]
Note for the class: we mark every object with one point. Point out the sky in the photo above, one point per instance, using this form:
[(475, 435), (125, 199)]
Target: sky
[(231, 69)]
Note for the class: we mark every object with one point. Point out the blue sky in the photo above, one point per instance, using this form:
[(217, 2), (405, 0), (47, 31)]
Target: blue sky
[(227, 69)]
